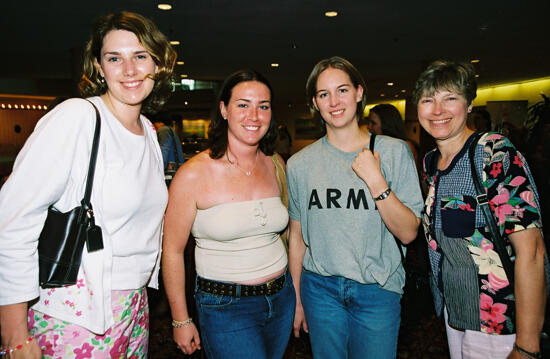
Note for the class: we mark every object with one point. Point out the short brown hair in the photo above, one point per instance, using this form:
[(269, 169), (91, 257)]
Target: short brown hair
[(446, 75), (149, 36), (339, 63)]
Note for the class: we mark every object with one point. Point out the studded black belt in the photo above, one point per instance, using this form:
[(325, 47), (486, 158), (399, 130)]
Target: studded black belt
[(232, 289)]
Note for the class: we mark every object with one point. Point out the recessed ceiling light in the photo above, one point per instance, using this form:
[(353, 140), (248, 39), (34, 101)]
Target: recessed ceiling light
[(331, 13), (474, 61), (403, 91), (164, 6), (28, 107), (45, 107), (274, 64), (186, 103), (16, 106), (3, 106), (180, 63), (183, 76), (174, 42), (382, 95), (477, 75), (390, 84)]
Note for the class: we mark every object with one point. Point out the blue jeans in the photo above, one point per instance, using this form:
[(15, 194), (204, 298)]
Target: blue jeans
[(255, 327), (349, 320)]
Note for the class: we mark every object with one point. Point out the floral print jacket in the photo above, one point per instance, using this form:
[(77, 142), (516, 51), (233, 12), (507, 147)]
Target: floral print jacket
[(468, 273)]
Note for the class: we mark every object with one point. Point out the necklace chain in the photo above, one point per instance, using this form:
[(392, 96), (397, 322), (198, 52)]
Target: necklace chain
[(236, 163)]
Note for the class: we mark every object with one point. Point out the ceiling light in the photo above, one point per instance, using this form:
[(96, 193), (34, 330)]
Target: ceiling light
[(382, 95), (45, 107), (396, 96), (403, 91), (164, 6), (390, 84), (33, 107), (174, 42), (9, 105), (477, 75), (186, 103), (274, 64), (3, 106), (179, 63), (16, 106), (183, 76), (474, 61), (331, 13)]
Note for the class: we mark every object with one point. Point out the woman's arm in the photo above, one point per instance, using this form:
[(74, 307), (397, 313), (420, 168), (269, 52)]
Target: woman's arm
[(13, 321), (399, 219), (179, 218), (297, 249), (529, 287)]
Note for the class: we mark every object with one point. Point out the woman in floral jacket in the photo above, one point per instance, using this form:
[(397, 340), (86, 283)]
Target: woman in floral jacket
[(485, 316)]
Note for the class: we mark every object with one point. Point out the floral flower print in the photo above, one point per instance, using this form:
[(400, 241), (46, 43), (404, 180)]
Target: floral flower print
[(488, 261)]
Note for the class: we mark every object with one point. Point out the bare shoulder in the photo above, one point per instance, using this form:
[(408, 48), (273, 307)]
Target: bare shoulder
[(192, 174)]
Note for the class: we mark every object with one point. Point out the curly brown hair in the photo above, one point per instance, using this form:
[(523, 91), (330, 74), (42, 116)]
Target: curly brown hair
[(149, 36)]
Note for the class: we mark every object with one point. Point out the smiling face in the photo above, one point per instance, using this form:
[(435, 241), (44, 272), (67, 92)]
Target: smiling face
[(443, 115), (336, 98), (126, 66), (248, 112)]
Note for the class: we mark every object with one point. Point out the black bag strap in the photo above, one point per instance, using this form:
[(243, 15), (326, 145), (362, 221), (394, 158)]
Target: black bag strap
[(397, 241), (483, 204), (93, 157)]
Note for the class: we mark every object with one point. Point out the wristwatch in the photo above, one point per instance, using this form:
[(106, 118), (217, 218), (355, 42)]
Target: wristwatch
[(384, 195)]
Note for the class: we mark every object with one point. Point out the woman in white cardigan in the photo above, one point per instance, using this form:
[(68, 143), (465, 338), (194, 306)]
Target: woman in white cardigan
[(127, 68)]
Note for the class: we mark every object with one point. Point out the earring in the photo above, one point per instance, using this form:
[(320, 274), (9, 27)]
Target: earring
[(102, 80)]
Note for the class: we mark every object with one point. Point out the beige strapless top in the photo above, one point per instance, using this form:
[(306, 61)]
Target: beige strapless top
[(240, 241)]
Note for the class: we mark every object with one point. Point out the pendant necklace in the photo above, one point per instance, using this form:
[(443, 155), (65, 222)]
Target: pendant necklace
[(236, 163)]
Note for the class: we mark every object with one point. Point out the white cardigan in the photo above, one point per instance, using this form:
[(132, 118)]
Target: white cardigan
[(51, 169)]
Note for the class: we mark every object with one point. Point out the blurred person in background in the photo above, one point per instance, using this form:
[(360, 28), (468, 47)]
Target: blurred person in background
[(170, 144)]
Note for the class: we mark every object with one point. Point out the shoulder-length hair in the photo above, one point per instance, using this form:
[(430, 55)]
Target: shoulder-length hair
[(339, 63), (149, 36), (217, 132), (390, 120)]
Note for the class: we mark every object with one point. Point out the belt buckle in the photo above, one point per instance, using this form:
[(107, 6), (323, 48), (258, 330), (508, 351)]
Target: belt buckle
[(270, 283)]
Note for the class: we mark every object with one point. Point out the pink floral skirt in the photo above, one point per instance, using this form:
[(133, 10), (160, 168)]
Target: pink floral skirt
[(127, 338)]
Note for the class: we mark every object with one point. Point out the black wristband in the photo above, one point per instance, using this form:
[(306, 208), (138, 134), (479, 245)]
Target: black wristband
[(384, 195)]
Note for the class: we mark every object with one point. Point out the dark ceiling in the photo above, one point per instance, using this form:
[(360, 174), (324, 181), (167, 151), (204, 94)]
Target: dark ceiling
[(389, 41)]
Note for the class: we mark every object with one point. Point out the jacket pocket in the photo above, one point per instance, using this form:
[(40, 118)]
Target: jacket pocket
[(458, 216)]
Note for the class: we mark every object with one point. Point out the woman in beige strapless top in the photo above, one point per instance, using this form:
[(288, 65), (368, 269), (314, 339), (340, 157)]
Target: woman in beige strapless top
[(229, 198)]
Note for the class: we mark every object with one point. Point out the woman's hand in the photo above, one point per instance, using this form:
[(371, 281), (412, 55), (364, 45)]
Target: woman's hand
[(367, 166), (299, 320), (187, 338)]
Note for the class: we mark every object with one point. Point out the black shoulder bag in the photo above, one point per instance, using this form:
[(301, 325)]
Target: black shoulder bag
[(61, 241)]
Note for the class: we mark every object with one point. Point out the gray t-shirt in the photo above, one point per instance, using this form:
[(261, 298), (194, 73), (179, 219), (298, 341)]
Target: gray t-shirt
[(343, 231)]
